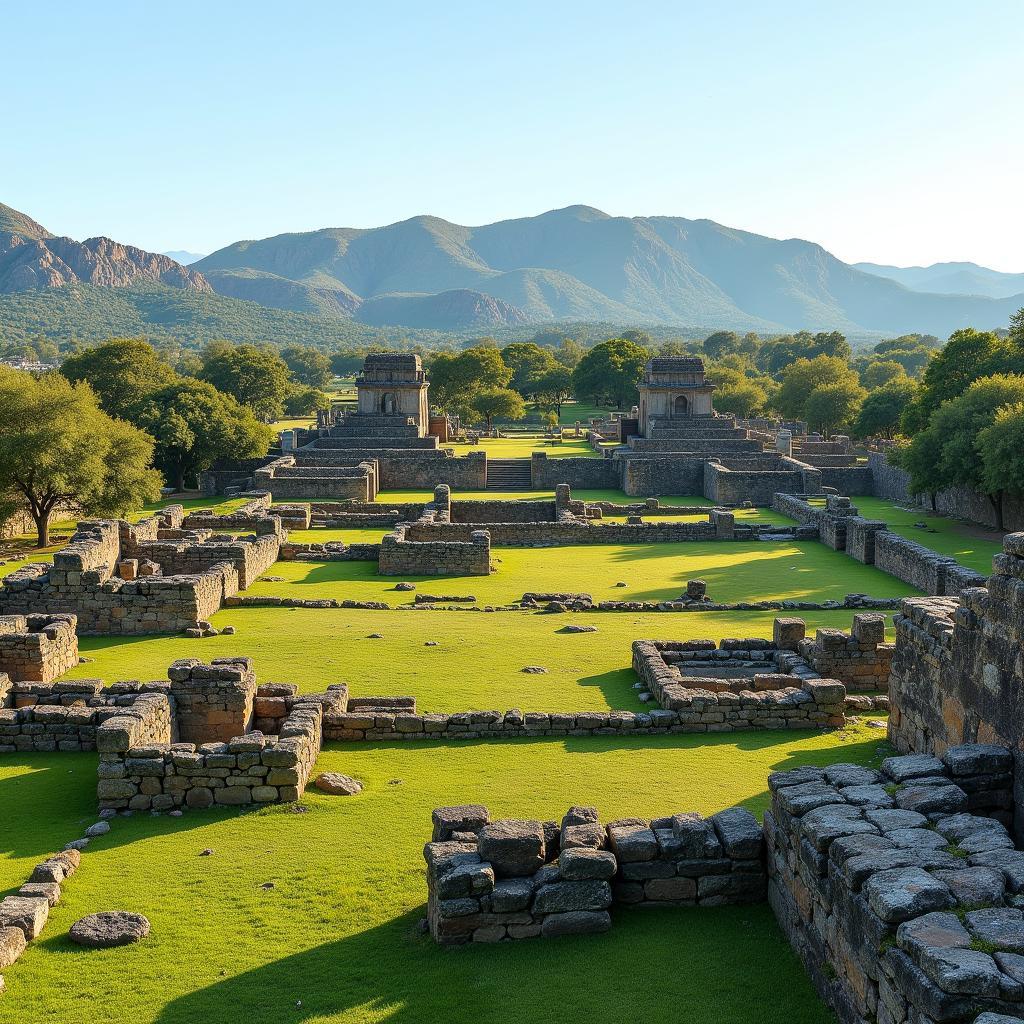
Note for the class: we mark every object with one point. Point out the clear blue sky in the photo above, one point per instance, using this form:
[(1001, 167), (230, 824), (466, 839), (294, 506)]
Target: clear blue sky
[(886, 131)]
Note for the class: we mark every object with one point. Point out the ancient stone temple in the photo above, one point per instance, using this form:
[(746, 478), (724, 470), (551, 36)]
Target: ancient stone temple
[(673, 388), (394, 385)]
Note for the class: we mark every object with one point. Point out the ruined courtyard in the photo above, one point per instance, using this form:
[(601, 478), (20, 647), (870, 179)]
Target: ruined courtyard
[(702, 689)]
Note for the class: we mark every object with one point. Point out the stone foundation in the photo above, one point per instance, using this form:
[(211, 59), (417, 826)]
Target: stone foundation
[(403, 556)]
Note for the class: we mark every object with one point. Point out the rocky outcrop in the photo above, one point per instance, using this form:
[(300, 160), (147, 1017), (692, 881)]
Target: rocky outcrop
[(32, 258)]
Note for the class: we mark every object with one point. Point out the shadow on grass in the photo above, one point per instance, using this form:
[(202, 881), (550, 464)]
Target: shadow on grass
[(393, 973)]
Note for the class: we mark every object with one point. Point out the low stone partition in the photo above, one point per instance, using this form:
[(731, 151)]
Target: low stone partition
[(592, 474), (401, 555), (331, 551), (287, 477), (678, 674), (252, 768), (244, 517), (37, 648), (81, 581), (194, 745), (902, 904), (870, 542), (860, 659), (64, 716), (488, 881)]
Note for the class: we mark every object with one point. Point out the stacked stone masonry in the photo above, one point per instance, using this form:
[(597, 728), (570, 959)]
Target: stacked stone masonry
[(489, 881), (957, 672), (901, 890), (37, 648)]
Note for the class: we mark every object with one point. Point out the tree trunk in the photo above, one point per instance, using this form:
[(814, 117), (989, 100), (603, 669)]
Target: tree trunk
[(42, 521), (931, 494), (997, 506)]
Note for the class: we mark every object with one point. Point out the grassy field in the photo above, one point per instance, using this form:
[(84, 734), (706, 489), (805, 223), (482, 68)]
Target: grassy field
[(335, 939), (521, 447), (970, 545), (477, 663), (734, 571)]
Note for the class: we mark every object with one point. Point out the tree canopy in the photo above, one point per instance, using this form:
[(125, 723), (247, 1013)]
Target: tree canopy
[(59, 449), (610, 372), (194, 424), (307, 365), (950, 451), (120, 372), (801, 379), (498, 403), (255, 376), (455, 378)]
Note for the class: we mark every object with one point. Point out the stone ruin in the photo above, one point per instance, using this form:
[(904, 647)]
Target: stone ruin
[(869, 541), (37, 648), (513, 879), (147, 577)]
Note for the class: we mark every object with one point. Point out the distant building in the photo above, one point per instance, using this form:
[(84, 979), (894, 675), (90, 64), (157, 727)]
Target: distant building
[(394, 384), (673, 387)]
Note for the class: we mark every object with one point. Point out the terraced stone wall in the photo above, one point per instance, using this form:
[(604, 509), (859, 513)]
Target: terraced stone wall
[(402, 556)]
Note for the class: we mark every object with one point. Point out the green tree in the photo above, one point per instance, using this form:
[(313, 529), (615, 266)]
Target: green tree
[(498, 403), (832, 408), (806, 376), (968, 356), (721, 343), (120, 372), (554, 389), (307, 365), (569, 353), (735, 392), (194, 424), (880, 372), (880, 414), (528, 363), (306, 401), (610, 372), (1001, 449), (455, 378), (59, 449), (256, 377), (946, 453)]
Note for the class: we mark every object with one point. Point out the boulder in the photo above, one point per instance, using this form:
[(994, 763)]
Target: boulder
[(337, 784), (739, 832), (109, 928), (12, 945)]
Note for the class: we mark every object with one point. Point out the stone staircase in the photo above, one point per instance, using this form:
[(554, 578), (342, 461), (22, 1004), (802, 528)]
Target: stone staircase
[(508, 475)]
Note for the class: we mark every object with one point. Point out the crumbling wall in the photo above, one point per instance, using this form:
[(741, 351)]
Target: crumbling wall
[(957, 673), (37, 647), (516, 879), (400, 556)]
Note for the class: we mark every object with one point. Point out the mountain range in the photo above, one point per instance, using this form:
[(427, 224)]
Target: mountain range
[(581, 264), (574, 264), (951, 279)]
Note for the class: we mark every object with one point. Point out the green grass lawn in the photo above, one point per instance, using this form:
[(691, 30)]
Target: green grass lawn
[(972, 546), (477, 664), (335, 940), (520, 447), (734, 571)]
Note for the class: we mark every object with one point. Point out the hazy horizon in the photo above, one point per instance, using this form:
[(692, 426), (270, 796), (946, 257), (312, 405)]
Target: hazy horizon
[(885, 135)]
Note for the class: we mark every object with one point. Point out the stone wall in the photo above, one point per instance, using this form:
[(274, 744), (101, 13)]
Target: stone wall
[(150, 774), (488, 881), (860, 659), (666, 476), (898, 900), (212, 702), (769, 700), (893, 483), (957, 672), (595, 474), (64, 716), (734, 485), (577, 532), (921, 567), (37, 648), (400, 556)]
